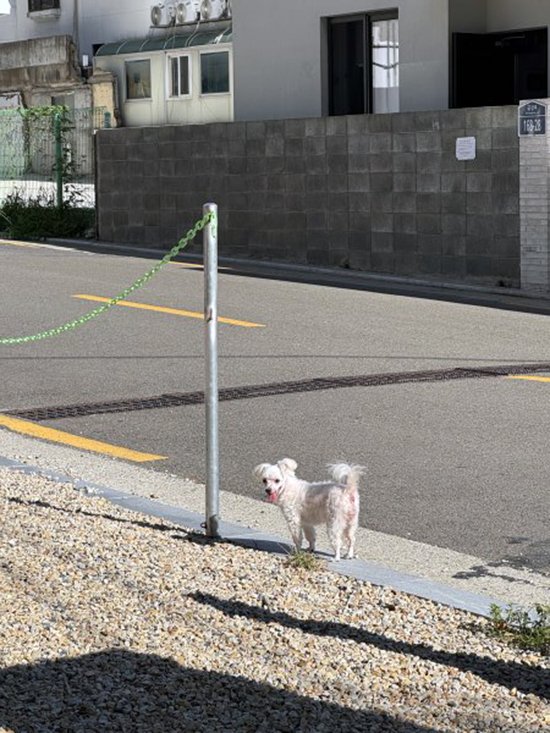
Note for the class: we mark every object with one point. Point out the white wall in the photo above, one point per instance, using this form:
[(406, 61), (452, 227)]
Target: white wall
[(279, 59), (103, 21), (503, 15), (18, 27)]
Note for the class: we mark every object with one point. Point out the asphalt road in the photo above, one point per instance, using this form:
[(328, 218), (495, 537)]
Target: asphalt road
[(461, 463)]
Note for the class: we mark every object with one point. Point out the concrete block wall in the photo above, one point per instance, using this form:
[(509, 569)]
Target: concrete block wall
[(381, 193)]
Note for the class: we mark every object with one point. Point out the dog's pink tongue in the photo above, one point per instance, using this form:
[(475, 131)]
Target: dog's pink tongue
[(272, 498)]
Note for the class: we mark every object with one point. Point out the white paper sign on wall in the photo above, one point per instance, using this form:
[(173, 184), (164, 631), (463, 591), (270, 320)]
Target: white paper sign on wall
[(465, 148)]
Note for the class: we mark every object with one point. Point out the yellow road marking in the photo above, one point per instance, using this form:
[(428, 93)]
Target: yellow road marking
[(173, 311), (528, 378), (76, 441)]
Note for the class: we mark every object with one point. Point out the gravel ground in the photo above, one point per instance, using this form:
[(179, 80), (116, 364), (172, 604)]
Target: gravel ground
[(113, 621)]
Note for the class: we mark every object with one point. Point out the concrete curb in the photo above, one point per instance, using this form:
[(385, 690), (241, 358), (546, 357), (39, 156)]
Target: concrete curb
[(258, 540), (338, 275)]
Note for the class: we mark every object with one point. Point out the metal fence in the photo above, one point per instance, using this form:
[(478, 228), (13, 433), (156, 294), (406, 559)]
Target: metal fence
[(48, 152)]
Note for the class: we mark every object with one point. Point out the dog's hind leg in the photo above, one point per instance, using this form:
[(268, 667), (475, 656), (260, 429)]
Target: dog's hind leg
[(335, 537), (349, 534), (309, 532)]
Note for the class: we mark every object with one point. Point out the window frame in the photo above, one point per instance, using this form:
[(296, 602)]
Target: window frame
[(36, 6), (127, 98), (171, 57), (367, 20), (210, 52)]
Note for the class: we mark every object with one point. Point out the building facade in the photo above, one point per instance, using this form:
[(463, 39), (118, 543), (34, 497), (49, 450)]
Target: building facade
[(223, 60), (324, 57), (165, 63)]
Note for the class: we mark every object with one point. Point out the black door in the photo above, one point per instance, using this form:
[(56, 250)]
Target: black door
[(347, 67), (499, 68)]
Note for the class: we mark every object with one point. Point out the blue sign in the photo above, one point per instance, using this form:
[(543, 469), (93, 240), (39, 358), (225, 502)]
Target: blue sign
[(532, 119)]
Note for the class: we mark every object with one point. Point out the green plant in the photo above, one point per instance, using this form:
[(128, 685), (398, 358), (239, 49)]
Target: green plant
[(528, 628), (304, 560), (39, 217), (39, 128)]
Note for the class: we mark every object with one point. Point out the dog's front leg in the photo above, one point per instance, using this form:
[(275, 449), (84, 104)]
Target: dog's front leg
[(296, 532)]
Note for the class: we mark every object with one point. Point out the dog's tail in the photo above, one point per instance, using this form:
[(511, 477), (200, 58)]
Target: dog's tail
[(347, 475)]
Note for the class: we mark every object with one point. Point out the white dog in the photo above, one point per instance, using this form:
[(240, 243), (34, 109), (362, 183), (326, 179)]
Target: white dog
[(333, 503)]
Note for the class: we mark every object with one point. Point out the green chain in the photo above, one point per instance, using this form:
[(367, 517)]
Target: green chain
[(183, 242)]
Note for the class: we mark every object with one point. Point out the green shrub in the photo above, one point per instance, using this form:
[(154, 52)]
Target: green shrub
[(304, 560), (528, 628), (39, 217)]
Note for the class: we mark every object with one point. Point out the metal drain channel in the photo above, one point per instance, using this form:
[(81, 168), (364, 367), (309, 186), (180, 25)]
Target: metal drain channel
[(178, 399)]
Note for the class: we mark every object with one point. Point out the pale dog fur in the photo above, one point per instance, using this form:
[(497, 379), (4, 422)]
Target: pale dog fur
[(304, 505)]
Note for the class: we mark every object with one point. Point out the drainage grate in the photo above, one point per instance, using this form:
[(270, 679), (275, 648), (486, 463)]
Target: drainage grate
[(268, 390)]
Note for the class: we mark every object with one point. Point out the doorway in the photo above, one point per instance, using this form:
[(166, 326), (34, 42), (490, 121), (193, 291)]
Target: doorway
[(499, 68)]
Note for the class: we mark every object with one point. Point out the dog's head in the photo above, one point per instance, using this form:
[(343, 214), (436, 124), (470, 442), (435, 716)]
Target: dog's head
[(273, 476)]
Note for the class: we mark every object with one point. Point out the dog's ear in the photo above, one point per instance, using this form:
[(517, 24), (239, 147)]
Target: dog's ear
[(261, 469), (288, 465)]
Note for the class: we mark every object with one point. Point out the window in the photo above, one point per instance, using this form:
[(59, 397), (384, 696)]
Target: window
[(179, 76), (36, 6), (363, 58), (215, 72), (385, 65), (138, 79)]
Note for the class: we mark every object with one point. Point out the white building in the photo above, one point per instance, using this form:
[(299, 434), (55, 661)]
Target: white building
[(319, 57), (285, 58)]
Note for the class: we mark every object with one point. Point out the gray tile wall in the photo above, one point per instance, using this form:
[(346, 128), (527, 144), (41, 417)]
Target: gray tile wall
[(382, 193)]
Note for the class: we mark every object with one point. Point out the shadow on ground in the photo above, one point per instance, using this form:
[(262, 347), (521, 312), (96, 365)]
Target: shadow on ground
[(118, 690), (527, 679)]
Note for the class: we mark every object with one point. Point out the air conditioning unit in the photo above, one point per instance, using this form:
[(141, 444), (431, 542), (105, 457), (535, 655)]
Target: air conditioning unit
[(215, 9), (187, 12), (156, 14), (163, 15)]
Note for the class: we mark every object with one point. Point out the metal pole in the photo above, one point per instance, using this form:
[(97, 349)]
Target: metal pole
[(210, 254)]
